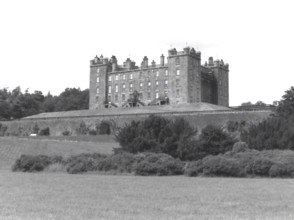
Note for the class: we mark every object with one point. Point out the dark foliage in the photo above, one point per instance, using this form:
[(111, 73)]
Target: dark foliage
[(194, 168), (155, 134), (16, 104), (28, 163), (157, 164), (104, 127), (44, 132), (83, 163)]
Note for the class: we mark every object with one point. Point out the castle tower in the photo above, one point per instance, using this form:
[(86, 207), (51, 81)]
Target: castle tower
[(98, 91), (221, 74), (184, 75)]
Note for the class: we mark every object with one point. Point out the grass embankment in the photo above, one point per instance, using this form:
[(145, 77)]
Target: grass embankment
[(12, 147), (63, 196)]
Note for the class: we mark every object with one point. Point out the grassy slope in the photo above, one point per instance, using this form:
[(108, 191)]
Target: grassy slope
[(12, 148), (64, 196)]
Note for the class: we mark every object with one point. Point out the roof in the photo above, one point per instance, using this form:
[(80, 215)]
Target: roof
[(195, 107)]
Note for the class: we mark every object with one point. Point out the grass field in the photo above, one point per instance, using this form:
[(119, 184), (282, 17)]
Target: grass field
[(12, 147), (64, 196), (48, 195)]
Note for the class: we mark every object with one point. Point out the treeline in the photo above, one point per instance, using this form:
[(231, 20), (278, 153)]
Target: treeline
[(16, 104)]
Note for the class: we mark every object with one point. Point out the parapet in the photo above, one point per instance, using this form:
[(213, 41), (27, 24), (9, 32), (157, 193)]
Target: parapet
[(186, 51), (216, 63)]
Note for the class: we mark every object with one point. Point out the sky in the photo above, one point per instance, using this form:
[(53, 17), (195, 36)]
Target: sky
[(47, 45)]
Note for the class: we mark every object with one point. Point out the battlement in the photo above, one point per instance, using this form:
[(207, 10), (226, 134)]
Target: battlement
[(216, 63), (186, 51)]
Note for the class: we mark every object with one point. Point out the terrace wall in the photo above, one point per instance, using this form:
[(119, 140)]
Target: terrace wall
[(197, 119)]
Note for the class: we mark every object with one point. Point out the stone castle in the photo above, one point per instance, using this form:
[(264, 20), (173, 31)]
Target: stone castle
[(182, 79)]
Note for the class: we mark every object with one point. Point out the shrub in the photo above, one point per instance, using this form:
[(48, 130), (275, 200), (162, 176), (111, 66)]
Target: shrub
[(155, 134), (121, 162), (157, 164), (92, 132), (260, 166), (194, 168), (215, 141), (240, 147), (28, 163), (3, 129), (83, 163), (44, 132), (222, 166), (66, 133), (104, 127), (82, 129), (282, 170), (55, 167)]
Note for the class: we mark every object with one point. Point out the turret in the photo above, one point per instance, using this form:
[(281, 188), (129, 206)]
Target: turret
[(144, 63), (210, 61)]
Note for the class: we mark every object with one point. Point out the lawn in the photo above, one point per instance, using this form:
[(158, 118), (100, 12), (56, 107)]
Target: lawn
[(90, 196), (12, 147)]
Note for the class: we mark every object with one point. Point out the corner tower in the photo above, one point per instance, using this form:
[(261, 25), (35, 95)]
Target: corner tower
[(184, 69), (98, 93)]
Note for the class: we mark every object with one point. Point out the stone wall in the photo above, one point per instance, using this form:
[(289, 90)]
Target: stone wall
[(197, 119)]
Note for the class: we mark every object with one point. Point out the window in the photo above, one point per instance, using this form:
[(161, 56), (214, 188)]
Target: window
[(116, 88), (156, 82), (109, 98), (116, 98), (177, 82), (97, 98), (131, 86), (178, 92), (149, 95), (141, 85), (98, 70), (166, 72), (178, 72), (124, 77), (116, 77), (177, 61), (98, 79), (109, 89), (165, 84), (165, 94), (97, 90), (131, 76), (141, 75), (123, 97), (110, 78), (157, 95), (123, 87), (149, 83), (157, 74)]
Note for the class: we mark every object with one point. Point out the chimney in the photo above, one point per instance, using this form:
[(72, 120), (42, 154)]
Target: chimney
[(145, 62), (114, 63), (153, 63), (210, 61), (162, 60)]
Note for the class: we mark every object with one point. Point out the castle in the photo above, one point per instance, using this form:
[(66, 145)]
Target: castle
[(182, 79)]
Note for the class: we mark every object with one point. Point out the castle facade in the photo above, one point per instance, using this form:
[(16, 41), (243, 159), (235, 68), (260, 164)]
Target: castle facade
[(182, 79)]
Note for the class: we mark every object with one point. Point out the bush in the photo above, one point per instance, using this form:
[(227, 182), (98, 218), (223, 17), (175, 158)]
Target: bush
[(104, 127), (82, 129), (121, 162), (282, 170), (222, 166), (260, 166), (157, 164), (240, 147), (66, 133), (3, 129), (83, 163), (44, 132), (155, 134), (28, 163), (194, 168), (92, 132)]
